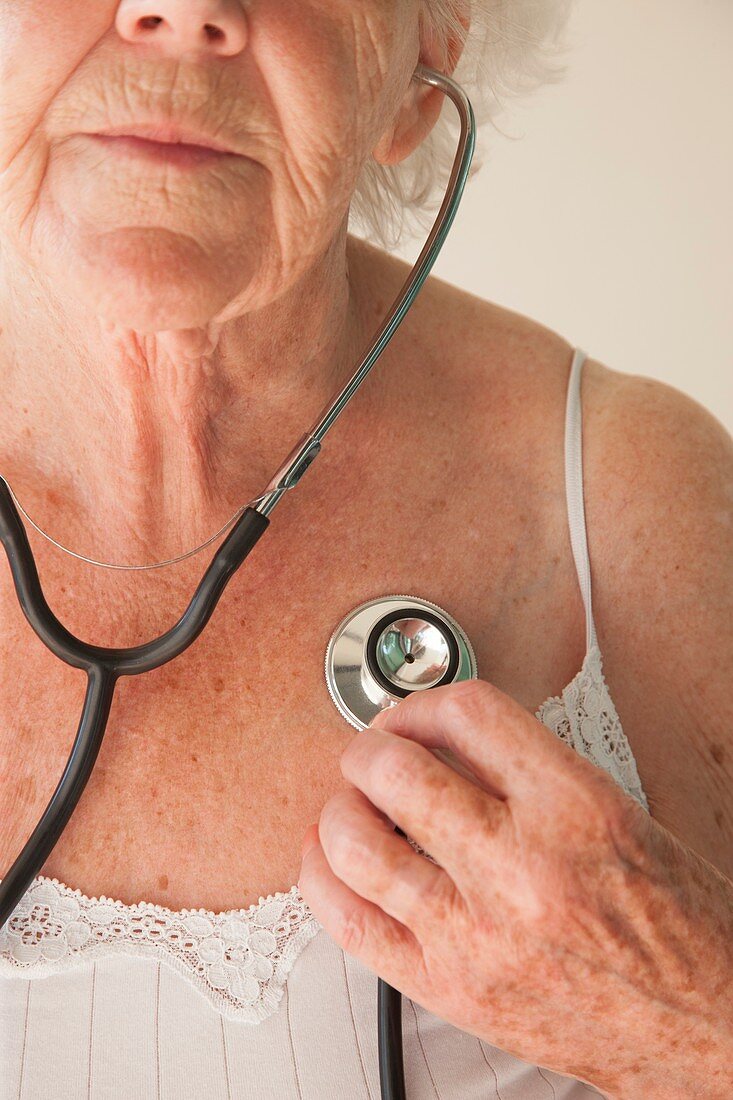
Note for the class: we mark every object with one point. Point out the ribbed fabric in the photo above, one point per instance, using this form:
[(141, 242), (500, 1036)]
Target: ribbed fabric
[(133, 1029), (126, 1027)]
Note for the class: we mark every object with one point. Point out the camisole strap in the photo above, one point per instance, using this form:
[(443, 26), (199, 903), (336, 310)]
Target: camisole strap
[(574, 490)]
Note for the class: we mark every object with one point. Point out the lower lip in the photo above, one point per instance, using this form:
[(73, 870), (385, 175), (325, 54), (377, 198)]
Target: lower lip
[(180, 154)]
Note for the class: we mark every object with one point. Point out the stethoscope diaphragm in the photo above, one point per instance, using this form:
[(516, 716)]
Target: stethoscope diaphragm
[(389, 647)]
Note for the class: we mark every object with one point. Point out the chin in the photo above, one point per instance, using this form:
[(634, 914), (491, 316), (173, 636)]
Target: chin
[(151, 280)]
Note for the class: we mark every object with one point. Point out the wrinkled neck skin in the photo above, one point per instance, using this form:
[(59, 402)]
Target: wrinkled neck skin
[(135, 447)]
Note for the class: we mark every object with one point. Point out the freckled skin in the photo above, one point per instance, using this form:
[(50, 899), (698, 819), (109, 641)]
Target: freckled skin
[(564, 924), (718, 753), (144, 275)]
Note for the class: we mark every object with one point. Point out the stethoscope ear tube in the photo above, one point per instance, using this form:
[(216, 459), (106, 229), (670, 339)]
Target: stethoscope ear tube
[(105, 666)]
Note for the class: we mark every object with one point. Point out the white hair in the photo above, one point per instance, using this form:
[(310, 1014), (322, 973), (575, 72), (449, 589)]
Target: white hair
[(511, 49)]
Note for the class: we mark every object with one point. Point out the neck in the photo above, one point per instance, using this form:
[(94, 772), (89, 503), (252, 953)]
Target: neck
[(134, 447)]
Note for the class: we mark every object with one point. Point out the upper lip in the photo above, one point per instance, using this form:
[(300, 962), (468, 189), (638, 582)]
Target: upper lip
[(168, 132)]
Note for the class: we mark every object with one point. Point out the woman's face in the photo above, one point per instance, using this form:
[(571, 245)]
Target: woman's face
[(301, 90)]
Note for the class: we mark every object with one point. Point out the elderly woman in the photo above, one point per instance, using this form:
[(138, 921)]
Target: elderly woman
[(180, 297)]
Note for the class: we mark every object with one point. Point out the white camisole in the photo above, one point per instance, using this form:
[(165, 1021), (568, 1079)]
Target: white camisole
[(105, 1001)]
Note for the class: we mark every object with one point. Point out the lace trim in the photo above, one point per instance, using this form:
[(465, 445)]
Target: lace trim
[(240, 958), (585, 718)]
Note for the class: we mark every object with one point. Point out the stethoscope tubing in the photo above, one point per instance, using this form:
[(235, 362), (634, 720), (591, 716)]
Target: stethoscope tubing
[(104, 666)]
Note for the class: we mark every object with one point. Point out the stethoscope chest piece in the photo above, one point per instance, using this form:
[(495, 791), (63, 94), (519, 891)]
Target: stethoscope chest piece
[(389, 647)]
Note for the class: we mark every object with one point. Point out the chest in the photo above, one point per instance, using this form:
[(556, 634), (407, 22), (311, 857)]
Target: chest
[(213, 766)]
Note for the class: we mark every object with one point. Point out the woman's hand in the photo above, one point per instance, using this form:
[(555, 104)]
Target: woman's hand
[(560, 923)]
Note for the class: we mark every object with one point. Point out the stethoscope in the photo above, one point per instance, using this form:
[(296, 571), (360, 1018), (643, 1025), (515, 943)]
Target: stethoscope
[(382, 651)]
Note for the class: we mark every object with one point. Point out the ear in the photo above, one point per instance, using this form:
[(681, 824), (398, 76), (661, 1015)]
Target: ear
[(422, 104)]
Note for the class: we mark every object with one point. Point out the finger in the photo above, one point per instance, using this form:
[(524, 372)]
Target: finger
[(450, 817), (509, 750), (363, 849), (360, 927)]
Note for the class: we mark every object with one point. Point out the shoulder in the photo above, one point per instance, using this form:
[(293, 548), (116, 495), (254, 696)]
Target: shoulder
[(658, 490), (658, 494), (658, 472), (478, 342), (655, 431)]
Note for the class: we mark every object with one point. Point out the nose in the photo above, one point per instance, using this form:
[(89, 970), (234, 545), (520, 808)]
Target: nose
[(175, 27)]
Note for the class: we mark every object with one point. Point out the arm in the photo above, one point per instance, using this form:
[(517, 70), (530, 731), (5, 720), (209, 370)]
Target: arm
[(659, 512), (589, 905)]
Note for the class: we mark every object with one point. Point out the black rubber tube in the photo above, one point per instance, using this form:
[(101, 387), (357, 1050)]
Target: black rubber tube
[(389, 1025), (79, 766), (136, 659), (103, 667)]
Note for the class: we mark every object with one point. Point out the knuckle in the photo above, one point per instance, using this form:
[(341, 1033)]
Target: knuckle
[(397, 767), (628, 826), (589, 788), (467, 700), (611, 810), (603, 818), (352, 931), (599, 797), (346, 847), (339, 830)]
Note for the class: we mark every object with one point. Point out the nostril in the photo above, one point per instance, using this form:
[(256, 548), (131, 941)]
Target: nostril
[(173, 27), (150, 22)]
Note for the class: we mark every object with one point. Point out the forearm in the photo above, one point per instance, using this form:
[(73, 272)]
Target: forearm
[(685, 1041), (698, 1064)]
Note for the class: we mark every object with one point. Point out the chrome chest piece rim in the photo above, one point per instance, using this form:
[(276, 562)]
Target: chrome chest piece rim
[(389, 647)]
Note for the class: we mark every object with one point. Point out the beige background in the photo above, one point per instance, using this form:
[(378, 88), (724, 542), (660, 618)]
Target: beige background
[(609, 219)]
